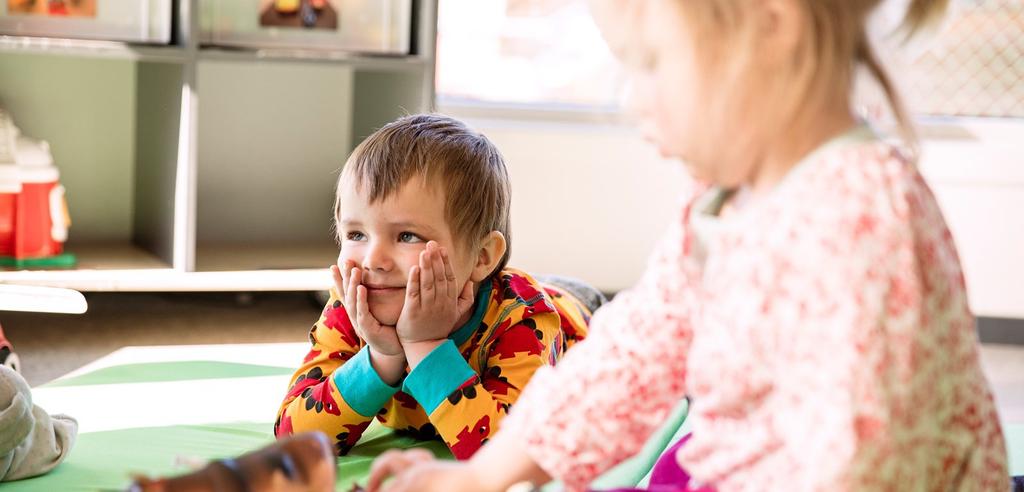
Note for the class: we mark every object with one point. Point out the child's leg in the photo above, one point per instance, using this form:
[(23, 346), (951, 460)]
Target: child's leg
[(32, 442)]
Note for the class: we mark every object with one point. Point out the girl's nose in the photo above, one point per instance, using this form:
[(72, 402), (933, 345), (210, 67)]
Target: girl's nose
[(636, 97)]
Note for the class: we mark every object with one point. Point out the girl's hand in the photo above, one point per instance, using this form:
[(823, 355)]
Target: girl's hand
[(382, 339), (433, 301), (417, 470)]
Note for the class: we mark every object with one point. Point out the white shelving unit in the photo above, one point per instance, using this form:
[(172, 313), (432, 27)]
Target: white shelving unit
[(193, 167)]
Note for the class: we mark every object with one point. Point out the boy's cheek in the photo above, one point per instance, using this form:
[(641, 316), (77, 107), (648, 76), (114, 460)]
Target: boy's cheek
[(345, 256)]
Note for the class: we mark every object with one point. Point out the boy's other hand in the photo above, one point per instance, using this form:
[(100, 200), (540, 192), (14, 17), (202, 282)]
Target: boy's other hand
[(382, 339), (434, 303)]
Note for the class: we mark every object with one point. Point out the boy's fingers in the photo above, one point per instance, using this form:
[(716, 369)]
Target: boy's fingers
[(350, 290), (449, 274), (412, 288), (348, 298), (358, 329), (354, 282), (437, 267), (426, 277), (340, 275), (345, 270), (465, 301), (362, 307)]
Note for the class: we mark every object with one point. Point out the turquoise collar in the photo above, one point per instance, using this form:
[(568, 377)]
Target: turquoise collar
[(482, 300)]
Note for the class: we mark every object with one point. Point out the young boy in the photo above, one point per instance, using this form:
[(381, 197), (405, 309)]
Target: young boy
[(426, 328)]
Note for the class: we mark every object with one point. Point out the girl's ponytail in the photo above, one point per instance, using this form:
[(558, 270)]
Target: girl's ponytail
[(921, 15), (866, 55)]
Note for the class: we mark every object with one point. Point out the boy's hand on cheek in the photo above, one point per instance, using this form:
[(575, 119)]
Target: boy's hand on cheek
[(386, 353), (434, 302), (382, 339)]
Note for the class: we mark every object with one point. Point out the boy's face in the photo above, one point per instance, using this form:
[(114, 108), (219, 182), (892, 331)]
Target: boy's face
[(385, 239)]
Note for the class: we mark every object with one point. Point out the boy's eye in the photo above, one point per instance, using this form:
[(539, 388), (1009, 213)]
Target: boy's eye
[(408, 237), (355, 236)]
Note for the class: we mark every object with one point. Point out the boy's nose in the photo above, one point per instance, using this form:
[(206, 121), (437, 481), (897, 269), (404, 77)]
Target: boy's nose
[(377, 258)]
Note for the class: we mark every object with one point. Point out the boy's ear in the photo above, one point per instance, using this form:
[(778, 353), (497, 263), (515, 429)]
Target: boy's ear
[(492, 249)]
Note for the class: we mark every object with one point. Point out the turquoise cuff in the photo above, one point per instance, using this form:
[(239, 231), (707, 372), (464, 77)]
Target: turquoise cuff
[(361, 386), (440, 373)]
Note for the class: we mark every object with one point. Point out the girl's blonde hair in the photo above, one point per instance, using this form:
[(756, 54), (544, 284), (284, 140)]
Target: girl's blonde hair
[(835, 43)]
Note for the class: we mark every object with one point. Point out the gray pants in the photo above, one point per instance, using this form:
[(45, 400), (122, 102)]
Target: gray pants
[(587, 294), (32, 442)]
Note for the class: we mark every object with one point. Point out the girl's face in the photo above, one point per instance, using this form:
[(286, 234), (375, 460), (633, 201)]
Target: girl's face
[(684, 108), (664, 87)]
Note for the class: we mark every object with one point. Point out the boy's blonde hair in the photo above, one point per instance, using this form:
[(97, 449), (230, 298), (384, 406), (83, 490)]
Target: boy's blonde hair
[(443, 151)]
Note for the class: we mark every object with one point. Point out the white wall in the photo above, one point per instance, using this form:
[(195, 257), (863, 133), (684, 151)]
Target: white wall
[(979, 183), (602, 230)]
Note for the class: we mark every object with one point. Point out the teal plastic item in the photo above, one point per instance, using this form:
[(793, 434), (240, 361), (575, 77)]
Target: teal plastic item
[(65, 260)]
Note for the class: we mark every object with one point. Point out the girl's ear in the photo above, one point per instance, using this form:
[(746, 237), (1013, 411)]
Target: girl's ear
[(780, 27), (492, 249)]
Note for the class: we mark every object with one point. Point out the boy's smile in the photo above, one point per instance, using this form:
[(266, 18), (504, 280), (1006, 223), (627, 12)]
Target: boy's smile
[(385, 238), (381, 294)]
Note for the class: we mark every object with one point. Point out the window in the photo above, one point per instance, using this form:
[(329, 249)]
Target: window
[(975, 67), (524, 53), (549, 53)]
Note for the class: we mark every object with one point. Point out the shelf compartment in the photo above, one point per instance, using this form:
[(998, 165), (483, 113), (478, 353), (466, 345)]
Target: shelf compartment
[(167, 194), (113, 128), (227, 256), (100, 267)]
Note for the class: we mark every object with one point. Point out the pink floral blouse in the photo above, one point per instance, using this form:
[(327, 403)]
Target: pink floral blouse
[(823, 335)]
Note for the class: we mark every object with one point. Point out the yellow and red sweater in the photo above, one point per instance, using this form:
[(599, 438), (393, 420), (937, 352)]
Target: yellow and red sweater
[(461, 391)]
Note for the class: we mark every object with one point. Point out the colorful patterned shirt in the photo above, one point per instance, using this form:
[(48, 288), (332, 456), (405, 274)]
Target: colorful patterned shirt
[(461, 391), (825, 339)]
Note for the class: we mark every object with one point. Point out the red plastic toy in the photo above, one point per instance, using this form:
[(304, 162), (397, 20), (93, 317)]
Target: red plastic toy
[(33, 212)]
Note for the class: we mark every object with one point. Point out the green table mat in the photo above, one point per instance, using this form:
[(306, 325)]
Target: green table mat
[(102, 461), (153, 372)]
